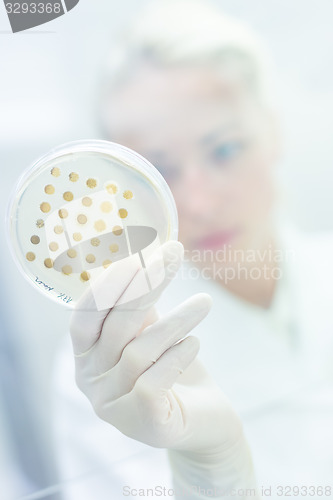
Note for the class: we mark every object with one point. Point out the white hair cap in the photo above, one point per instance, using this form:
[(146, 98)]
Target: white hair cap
[(169, 32)]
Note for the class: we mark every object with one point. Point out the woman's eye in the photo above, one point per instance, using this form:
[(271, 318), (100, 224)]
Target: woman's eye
[(227, 151)]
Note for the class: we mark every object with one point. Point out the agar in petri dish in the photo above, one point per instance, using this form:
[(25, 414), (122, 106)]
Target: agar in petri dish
[(82, 207)]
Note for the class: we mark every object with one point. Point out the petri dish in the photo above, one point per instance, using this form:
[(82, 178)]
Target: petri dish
[(82, 207)]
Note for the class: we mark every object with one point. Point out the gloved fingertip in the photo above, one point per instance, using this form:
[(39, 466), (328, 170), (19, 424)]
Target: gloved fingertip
[(203, 302)]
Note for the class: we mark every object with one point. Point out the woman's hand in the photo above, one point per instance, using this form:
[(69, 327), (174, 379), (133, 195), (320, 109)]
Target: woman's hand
[(139, 372), (141, 375)]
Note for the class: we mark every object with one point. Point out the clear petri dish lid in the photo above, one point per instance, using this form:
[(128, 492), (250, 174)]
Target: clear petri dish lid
[(82, 207)]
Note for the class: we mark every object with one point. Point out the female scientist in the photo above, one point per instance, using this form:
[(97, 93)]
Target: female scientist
[(190, 92)]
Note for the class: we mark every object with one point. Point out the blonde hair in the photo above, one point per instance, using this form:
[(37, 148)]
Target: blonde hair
[(192, 32)]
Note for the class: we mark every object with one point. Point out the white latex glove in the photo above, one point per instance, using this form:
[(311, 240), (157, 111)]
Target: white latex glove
[(140, 375)]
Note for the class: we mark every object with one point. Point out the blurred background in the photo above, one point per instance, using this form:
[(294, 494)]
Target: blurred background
[(50, 82), (50, 76)]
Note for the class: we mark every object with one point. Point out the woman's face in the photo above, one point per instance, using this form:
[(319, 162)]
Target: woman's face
[(211, 141)]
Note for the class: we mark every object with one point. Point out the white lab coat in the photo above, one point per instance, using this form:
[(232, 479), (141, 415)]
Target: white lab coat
[(275, 365)]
